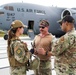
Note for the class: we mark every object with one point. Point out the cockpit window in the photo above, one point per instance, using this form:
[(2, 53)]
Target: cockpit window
[(9, 8)]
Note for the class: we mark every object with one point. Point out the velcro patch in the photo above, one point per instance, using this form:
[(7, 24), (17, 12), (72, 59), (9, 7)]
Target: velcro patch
[(19, 52)]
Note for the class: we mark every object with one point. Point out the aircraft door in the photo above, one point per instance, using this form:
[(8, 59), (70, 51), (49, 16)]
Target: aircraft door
[(30, 29), (30, 25)]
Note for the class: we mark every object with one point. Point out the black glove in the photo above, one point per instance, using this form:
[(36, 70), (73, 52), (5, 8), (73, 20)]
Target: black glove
[(32, 51)]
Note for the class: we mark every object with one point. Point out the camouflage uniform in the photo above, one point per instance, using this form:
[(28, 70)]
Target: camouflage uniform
[(18, 55), (65, 51), (45, 62), (44, 68)]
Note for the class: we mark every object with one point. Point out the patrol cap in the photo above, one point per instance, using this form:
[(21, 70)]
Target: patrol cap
[(44, 23), (16, 24), (67, 18)]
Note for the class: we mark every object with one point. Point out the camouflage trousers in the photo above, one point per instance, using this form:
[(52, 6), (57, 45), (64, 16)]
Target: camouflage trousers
[(44, 68), (18, 70), (60, 70)]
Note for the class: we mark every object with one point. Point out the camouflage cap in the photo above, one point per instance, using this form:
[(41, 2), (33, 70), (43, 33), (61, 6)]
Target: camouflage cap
[(16, 24), (44, 23), (67, 18)]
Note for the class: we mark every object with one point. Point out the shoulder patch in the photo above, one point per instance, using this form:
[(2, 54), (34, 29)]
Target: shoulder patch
[(61, 39), (19, 52)]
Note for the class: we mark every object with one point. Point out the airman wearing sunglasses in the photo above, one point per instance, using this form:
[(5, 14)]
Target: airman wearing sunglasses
[(42, 45)]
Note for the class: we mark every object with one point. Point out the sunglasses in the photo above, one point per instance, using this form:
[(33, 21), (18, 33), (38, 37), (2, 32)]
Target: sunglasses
[(41, 27)]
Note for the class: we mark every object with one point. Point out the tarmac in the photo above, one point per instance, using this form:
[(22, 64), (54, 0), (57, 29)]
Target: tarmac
[(4, 64)]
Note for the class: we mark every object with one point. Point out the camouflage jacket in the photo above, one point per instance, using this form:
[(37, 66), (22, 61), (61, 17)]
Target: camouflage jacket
[(18, 53), (65, 49)]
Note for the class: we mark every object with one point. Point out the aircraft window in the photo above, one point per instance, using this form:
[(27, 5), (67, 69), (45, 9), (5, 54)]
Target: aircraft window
[(9, 8), (1, 13), (6, 7)]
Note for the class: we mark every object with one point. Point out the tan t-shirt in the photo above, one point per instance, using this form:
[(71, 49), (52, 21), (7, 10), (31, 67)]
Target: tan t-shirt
[(43, 42)]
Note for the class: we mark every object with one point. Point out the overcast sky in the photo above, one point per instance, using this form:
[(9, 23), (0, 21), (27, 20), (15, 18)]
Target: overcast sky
[(58, 3)]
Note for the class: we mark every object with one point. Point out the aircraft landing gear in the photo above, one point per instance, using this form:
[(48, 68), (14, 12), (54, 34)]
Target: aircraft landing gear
[(5, 36)]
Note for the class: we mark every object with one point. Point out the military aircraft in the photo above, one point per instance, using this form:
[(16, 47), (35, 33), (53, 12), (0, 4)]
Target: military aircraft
[(31, 15)]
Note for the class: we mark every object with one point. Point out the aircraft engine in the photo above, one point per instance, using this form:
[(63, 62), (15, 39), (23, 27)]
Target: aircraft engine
[(71, 12)]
